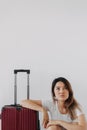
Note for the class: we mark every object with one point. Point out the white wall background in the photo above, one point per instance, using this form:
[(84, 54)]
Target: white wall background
[(49, 37)]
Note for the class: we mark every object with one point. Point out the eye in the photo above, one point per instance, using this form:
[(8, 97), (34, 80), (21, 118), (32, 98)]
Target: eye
[(57, 88), (65, 87)]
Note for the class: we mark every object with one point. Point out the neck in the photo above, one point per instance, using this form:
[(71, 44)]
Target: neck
[(61, 104), (61, 107)]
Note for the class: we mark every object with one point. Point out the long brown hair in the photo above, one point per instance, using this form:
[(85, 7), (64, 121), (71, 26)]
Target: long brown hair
[(70, 104)]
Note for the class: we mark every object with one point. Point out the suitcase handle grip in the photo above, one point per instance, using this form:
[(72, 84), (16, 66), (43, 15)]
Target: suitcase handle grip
[(21, 70)]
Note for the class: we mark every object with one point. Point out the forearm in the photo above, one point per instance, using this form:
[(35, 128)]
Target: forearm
[(31, 105), (71, 126), (67, 125)]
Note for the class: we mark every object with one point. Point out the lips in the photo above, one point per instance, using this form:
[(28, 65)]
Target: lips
[(62, 95)]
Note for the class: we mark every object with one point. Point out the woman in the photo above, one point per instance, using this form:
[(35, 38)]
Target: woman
[(65, 112)]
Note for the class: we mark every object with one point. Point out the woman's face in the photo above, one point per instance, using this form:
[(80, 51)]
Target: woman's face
[(60, 91)]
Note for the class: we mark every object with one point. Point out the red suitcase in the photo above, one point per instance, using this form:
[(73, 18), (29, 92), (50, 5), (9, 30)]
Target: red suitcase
[(16, 117)]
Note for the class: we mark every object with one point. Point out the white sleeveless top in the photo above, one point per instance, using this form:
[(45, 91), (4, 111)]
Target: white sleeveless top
[(54, 112)]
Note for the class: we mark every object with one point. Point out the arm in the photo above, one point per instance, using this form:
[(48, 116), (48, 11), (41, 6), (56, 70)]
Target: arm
[(80, 125), (32, 104)]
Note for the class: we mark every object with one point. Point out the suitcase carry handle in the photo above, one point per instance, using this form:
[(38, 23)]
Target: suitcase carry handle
[(15, 83), (21, 70)]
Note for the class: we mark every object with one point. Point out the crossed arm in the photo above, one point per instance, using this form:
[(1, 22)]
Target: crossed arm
[(69, 126), (37, 105)]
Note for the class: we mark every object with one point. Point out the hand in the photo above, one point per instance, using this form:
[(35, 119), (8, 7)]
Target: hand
[(52, 122), (45, 118)]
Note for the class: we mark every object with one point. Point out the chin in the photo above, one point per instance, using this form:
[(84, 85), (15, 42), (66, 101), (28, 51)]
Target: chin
[(62, 99)]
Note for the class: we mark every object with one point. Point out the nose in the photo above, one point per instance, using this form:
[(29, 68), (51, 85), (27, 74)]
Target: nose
[(61, 90)]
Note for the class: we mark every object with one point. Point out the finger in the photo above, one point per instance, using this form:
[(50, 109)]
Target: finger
[(44, 125), (45, 122), (48, 125)]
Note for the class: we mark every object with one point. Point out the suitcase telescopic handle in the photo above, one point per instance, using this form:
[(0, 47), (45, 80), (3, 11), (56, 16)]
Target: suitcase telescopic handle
[(15, 83), (21, 70)]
